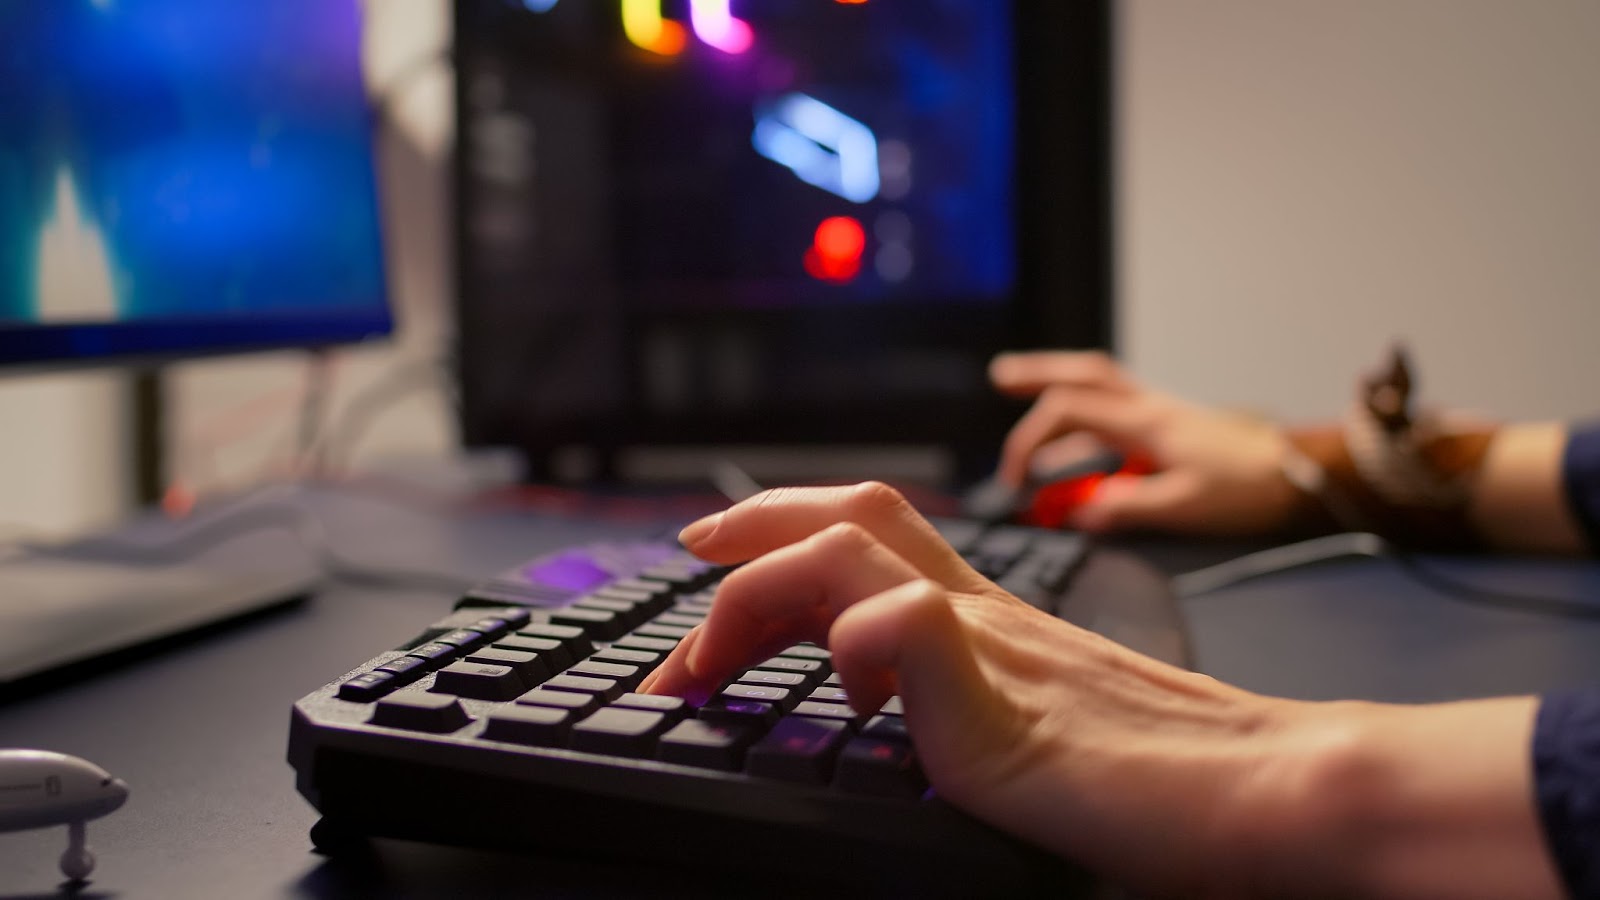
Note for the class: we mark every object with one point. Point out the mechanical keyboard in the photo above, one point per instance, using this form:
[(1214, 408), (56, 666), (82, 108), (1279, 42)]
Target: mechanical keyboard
[(512, 723)]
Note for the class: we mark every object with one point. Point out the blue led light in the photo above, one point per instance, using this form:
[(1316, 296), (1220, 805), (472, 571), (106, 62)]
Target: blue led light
[(540, 6), (821, 145)]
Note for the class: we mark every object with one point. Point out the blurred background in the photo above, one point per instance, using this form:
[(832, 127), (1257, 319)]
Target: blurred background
[(1297, 184)]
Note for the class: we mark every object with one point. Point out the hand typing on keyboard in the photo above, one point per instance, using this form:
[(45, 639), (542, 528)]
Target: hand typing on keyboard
[(1161, 778)]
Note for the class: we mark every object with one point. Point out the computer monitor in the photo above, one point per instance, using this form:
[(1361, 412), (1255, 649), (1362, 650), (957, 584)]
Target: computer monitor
[(184, 177), (773, 223), (177, 178)]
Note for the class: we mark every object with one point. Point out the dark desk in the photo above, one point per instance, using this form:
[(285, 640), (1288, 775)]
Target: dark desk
[(199, 732)]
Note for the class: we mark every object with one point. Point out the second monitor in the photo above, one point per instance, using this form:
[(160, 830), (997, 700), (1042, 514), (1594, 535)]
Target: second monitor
[(773, 223)]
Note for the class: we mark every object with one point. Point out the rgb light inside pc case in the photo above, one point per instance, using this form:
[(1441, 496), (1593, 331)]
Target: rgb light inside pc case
[(800, 152), (754, 221)]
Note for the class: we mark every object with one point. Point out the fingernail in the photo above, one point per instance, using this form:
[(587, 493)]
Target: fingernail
[(700, 530)]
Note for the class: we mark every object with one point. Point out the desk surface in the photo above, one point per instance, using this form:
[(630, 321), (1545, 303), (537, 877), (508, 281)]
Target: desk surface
[(199, 732)]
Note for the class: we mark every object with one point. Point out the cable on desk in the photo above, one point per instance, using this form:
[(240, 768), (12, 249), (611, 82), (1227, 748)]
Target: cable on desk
[(1364, 544), (332, 450), (220, 528), (1278, 559)]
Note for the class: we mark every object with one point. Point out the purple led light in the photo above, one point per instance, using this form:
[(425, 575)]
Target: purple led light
[(575, 572), (714, 23)]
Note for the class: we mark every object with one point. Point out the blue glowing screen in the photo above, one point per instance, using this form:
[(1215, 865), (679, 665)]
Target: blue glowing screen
[(778, 153), (200, 170)]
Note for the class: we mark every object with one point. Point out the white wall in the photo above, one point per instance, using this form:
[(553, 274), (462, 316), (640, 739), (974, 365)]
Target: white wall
[(62, 442), (1302, 180)]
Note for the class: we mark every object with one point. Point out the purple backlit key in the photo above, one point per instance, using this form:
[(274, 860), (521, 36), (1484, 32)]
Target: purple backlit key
[(780, 697), (798, 749), (880, 768)]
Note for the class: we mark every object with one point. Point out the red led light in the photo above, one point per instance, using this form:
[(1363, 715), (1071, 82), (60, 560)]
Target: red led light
[(835, 253), (841, 237)]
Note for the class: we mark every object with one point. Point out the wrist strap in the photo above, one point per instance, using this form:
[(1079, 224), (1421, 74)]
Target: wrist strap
[(1383, 469)]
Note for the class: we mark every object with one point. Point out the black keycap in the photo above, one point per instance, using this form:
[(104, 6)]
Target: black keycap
[(434, 652), (1005, 544), (838, 712), (604, 688), (989, 568), (620, 732), (812, 671), (775, 679), (807, 651), (601, 623), (579, 702), (1060, 554), (628, 615), (829, 695), (663, 631), (638, 641), (888, 728), (644, 659), (530, 667), (367, 687), (879, 768), (607, 604), (573, 639), (480, 681), (501, 592), (701, 608), (555, 656), (491, 627), (696, 742), (678, 620), (791, 664), (633, 597), (674, 708), (647, 602), (653, 588), (625, 675), (684, 577), (420, 711), (461, 637), (536, 726), (747, 713), (960, 534), (798, 749), (405, 669), (780, 697), (513, 616)]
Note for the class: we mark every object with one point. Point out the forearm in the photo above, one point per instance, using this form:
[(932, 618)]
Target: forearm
[(1518, 498), (1420, 801)]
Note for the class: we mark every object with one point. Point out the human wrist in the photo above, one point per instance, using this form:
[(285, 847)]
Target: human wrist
[(1296, 801), (1383, 800), (1391, 467), (1518, 499)]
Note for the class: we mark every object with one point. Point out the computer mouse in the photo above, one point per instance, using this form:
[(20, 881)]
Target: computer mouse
[(993, 500)]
